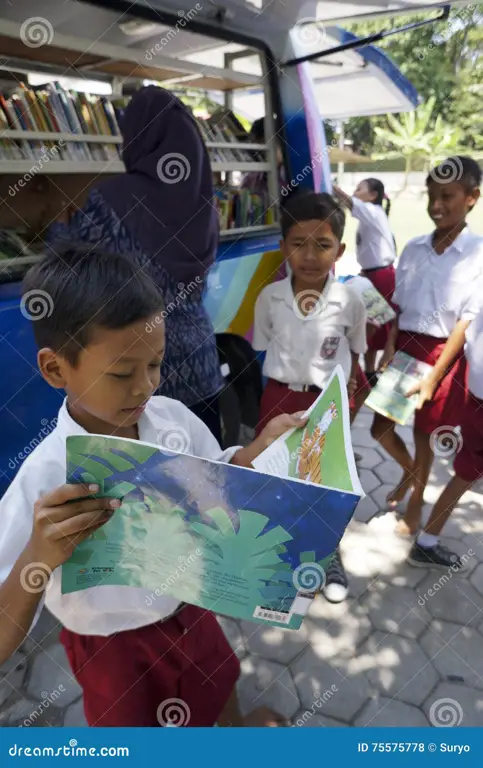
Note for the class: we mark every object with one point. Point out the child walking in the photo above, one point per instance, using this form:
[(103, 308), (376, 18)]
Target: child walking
[(468, 463), (309, 322), (435, 301), (376, 252), (131, 652)]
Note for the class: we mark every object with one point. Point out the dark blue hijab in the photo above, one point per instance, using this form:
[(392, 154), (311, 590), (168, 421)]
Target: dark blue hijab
[(165, 197)]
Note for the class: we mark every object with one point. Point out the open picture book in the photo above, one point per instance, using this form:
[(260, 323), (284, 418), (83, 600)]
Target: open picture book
[(247, 543), (389, 395)]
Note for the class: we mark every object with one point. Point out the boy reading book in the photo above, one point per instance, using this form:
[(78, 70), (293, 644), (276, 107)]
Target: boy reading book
[(103, 343)]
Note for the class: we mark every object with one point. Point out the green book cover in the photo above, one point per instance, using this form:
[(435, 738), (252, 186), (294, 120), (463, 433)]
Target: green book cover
[(225, 538), (389, 395)]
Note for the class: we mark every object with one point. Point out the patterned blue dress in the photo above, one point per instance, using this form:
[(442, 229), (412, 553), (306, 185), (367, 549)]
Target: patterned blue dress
[(191, 369)]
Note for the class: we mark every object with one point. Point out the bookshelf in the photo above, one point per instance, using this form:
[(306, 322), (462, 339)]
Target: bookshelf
[(50, 131)]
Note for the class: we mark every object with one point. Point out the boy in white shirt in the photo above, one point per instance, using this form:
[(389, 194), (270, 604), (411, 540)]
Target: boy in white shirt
[(103, 343), (309, 322), (468, 463)]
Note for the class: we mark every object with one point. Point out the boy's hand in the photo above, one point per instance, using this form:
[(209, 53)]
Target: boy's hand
[(64, 518), (351, 387), (387, 356), (279, 425), (425, 388)]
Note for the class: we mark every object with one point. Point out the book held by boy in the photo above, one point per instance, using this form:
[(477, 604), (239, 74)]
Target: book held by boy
[(379, 311), (389, 395), (240, 542)]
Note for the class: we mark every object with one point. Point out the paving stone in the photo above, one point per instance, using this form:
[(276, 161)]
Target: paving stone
[(332, 638), (455, 650), (368, 479), (397, 667), (396, 610), (233, 634), (389, 472), (275, 643), (338, 684), (306, 719), (452, 705), (266, 683), (365, 510), (51, 676), (361, 438), (477, 578), (370, 458), (475, 543), (45, 632), (452, 598), (380, 494), (31, 714), (75, 717), (12, 674), (382, 712)]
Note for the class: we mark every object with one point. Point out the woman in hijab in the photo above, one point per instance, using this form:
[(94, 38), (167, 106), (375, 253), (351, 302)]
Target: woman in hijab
[(160, 213)]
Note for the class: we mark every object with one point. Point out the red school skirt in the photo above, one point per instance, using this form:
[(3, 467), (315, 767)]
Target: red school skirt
[(277, 398), (447, 406), (468, 463), (384, 280), (129, 679)]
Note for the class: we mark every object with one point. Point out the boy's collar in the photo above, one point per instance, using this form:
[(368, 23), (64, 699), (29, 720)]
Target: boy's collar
[(67, 426), (285, 290)]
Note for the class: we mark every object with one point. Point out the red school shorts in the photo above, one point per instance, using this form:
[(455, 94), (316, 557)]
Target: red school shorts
[(277, 398), (129, 678), (468, 463), (447, 406), (384, 281)]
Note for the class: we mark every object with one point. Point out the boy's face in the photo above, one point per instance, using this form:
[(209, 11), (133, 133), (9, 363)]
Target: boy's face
[(449, 203), (311, 249), (114, 377)]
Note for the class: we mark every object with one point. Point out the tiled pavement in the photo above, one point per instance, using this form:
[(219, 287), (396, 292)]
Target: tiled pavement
[(393, 654)]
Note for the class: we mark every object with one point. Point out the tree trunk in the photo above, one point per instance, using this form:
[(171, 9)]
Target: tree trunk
[(407, 171)]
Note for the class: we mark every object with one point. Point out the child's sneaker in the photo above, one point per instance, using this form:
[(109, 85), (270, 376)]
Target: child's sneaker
[(438, 556), (336, 585)]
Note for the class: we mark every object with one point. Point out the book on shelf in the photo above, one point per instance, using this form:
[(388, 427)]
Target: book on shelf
[(389, 395), (242, 208)]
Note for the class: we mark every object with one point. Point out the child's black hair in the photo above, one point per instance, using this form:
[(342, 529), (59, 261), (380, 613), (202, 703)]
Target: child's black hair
[(306, 206), (75, 288), (458, 168), (376, 185)]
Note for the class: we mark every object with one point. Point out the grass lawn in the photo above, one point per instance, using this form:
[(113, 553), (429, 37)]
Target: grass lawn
[(408, 219)]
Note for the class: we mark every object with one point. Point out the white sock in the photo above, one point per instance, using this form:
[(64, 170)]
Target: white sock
[(427, 540)]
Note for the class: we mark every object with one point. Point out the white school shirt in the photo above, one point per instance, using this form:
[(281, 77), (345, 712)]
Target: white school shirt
[(434, 291), (303, 350), (474, 353), (106, 609), (374, 242)]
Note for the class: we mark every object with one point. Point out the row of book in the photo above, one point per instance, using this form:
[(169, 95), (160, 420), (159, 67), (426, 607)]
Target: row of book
[(221, 131), (242, 208), (53, 109)]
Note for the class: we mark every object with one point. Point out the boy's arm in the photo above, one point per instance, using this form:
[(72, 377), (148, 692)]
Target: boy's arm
[(390, 348), (352, 383), (244, 457)]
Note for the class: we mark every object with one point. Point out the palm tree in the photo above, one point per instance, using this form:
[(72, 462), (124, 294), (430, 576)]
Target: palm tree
[(408, 136)]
